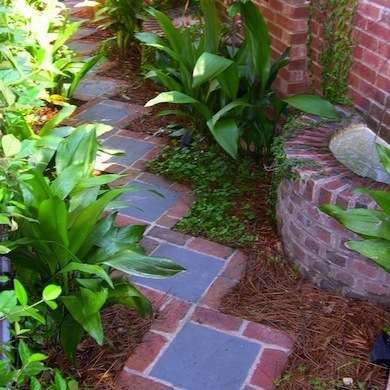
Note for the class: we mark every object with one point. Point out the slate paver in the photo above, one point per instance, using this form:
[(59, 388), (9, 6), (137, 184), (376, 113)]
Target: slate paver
[(200, 268), (110, 112), (148, 201), (84, 32), (83, 47), (132, 149), (90, 89), (209, 360)]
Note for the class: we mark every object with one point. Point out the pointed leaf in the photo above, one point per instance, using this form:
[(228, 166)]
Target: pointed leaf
[(313, 104)]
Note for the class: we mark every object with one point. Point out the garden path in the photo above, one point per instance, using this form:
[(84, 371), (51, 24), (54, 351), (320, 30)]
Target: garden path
[(191, 345)]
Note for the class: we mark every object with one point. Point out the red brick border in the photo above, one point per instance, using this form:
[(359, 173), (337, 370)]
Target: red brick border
[(312, 239)]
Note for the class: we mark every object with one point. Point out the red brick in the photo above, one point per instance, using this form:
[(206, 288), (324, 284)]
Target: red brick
[(365, 268), (114, 168), (149, 244), (217, 291), (152, 154), (236, 268), (132, 134), (157, 298), (127, 381), (270, 367), (168, 235), (124, 220), (170, 316), (216, 319), (146, 352), (268, 335), (210, 248), (179, 210), (167, 221)]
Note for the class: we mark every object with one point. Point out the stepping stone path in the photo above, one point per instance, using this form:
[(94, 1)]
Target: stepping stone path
[(191, 345)]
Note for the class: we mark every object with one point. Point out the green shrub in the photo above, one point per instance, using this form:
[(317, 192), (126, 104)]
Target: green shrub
[(123, 18), (63, 239), (373, 226), (225, 89)]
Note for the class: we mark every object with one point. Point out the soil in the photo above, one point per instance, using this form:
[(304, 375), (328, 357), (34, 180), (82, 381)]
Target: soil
[(98, 366), (333, 335)]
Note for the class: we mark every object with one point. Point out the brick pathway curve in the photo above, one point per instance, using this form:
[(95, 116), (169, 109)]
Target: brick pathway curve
[(191, 345)]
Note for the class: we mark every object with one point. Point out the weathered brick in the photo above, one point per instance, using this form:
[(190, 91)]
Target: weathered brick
[(210, 248), (170, 316), (268, 335), (216, 319), (146, 352), (236, 268), (217, 291), (126, 381), (270, 367), (168, 235)]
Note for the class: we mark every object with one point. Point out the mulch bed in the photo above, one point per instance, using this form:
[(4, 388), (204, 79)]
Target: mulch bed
[(98, 366), (334, 335)]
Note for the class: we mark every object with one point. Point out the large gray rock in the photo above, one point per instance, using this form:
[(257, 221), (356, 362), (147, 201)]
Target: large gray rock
[(355, 148)]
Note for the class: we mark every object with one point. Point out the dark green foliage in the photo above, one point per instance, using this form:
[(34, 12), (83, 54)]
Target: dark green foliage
[(220, 185)]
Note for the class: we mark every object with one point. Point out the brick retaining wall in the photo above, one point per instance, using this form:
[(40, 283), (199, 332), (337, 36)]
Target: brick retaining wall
[(369, 83), (312, 239)]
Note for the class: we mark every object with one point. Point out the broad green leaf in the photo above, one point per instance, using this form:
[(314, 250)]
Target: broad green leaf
[(213, 27), (384, 156), (126, 294), (11, 145), (85, 310), (88, 269), (208, 67), (66, 181), (225, 110), (369, 223), (49, 126), (59, 381), (230, 80), (313, 104), (87, 218), (20, 292), (134, 263), (256, 33), (53, 220), (376, 249), (171, 97), (4, 250), (37, 357), (51, 292), (70, 335), (24, 352), (380, 197), (226, 133)]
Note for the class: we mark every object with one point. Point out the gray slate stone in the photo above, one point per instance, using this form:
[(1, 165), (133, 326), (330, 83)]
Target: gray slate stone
[(84, 48), (191, 284), (200, 358), (90, 89), (149, 201)]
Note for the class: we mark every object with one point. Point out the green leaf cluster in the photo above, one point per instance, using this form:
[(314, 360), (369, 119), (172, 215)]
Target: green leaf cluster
[(225, 88), (373, 226)]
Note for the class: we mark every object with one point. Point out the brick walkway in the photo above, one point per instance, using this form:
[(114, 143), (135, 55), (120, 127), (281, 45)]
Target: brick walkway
[(191, 345)]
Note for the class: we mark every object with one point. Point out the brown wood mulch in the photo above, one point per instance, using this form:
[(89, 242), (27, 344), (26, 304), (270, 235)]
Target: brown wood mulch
[(98, 366), (334, 334)]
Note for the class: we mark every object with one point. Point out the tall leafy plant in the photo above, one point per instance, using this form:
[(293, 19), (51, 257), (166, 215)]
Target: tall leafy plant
[(373, 226), (122, 17), (226, 88), (64, 239)]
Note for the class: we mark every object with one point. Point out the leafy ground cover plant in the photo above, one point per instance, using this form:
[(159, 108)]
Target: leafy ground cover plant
[(226, 89), (63, 239), (218, 183), (373, 226)]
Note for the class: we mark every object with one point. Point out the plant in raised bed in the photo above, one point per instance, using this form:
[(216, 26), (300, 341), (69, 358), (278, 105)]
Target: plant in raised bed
[(373, 226), (63, 239), (225, 88)]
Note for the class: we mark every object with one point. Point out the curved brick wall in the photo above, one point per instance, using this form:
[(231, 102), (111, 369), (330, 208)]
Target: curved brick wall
[(315, 241)]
